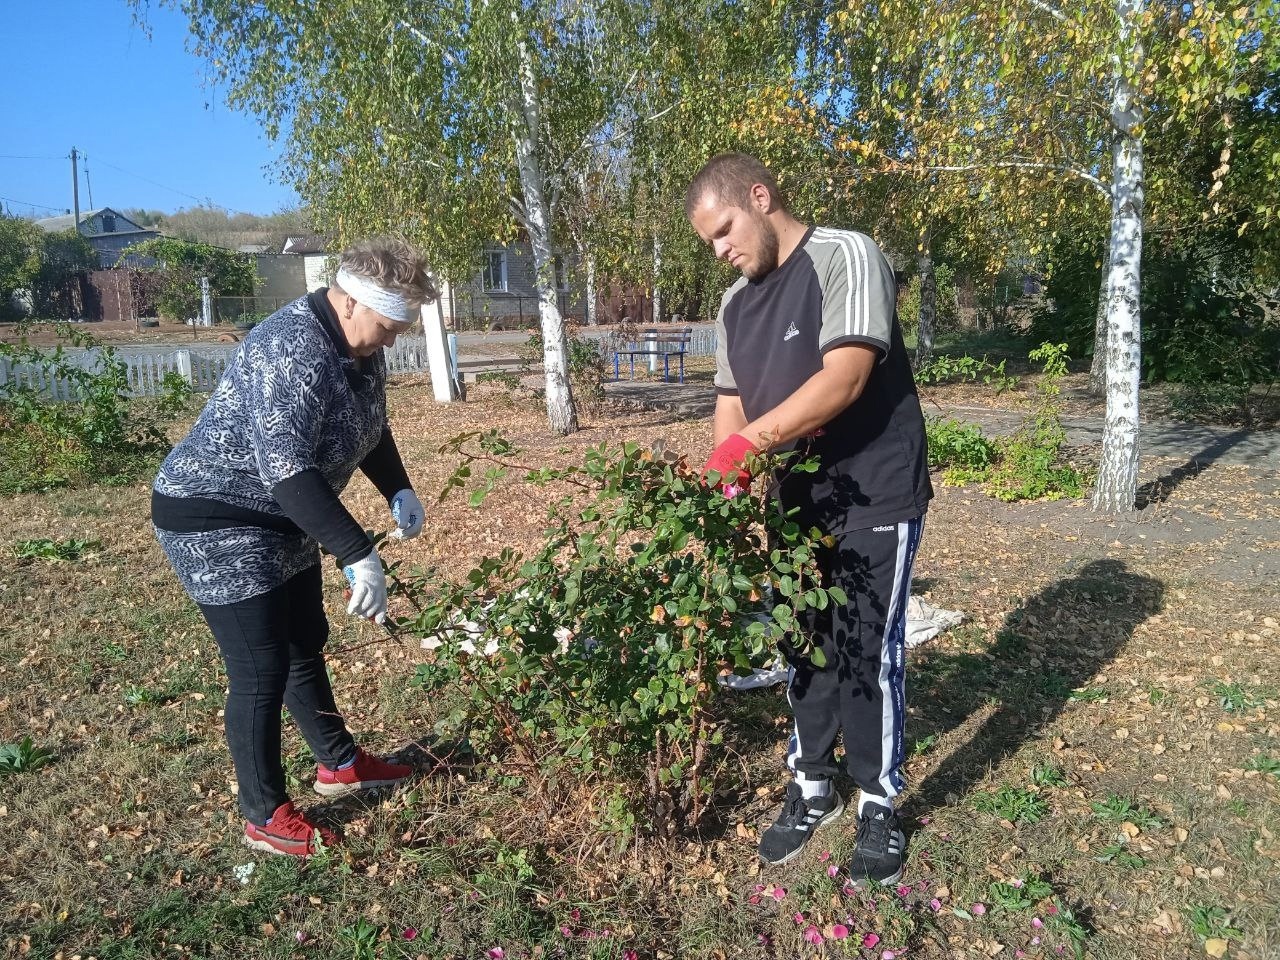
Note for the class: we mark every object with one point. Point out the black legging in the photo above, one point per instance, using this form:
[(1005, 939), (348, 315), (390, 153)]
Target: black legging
[(272, 645)]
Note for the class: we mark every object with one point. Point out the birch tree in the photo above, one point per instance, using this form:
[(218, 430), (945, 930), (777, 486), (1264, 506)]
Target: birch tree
[(1019, 97), (456, 123)]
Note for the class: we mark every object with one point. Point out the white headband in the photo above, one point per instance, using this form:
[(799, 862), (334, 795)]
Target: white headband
[(390, 304)]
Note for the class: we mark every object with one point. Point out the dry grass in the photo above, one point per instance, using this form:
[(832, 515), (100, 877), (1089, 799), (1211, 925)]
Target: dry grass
[(1089, 651)]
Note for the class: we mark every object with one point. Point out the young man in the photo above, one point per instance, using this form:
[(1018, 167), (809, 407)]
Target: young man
[(811, 357)]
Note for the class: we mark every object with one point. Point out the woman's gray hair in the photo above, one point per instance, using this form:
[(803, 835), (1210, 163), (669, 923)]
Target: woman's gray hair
[(392, 263)]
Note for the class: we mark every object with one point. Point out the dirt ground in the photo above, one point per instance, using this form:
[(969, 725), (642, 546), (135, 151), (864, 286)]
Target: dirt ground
[(1100, 732)]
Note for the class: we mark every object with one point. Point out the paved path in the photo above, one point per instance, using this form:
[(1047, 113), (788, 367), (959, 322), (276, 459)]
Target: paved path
[(1201, 444)]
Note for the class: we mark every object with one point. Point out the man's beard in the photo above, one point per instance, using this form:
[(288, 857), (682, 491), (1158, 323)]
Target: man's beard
[(768, 258)]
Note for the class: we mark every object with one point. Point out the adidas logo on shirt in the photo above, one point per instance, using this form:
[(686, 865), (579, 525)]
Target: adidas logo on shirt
[(791, 332)]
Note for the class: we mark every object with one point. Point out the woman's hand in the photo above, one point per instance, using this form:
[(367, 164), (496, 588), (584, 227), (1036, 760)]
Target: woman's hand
[(368, 587), (408, 512)]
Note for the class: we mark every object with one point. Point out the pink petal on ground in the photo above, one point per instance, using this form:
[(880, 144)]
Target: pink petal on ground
[(824, 856), (1051, 910), (496, 953), (1037, 922), (935, 904), (779, 893), (1035, 941), (798, 918), (925, 821), (839, 931), (754, 899), (888, 955), (978, 909), (301, 936), (1016, 884), (575, 914), (410, 933), (813, 935), (848, 890), (903, 890), (630, 955), (870, 940), (833, 871)]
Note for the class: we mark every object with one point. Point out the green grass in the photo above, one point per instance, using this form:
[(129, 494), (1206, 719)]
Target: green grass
[(1014, 804), (1120, 809), (55, 551), (1235, 698), (1264, 764), (23, 757)]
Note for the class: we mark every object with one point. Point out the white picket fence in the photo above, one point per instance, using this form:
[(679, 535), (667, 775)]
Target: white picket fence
[(200, 366), (203, 366)]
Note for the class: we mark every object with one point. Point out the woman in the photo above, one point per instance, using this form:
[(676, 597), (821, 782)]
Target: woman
[(240, 505)]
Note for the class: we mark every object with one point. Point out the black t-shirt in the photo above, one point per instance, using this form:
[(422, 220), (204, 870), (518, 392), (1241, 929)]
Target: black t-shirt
[(835, 289)]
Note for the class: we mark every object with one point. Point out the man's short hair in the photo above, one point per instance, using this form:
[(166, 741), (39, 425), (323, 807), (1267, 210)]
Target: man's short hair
[(729, 178)]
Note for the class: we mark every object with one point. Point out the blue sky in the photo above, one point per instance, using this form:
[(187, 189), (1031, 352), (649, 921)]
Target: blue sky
[(80, 73)]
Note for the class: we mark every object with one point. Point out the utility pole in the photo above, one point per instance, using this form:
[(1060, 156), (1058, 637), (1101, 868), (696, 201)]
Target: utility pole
[(75, 187)]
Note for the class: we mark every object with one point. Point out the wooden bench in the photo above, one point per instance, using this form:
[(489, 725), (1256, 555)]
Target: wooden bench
[(654, 343)]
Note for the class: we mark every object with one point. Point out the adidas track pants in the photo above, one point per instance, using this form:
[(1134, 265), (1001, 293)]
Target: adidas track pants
[(860, 691)]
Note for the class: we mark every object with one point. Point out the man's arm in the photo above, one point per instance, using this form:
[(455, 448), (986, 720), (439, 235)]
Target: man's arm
[(844, 374), (729, 417)]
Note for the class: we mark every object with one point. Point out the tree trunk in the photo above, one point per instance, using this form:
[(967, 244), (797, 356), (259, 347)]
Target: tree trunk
[(928, 308), (589, 261), (657, 272), (561, 412), (1098, 369), (1117, 487)]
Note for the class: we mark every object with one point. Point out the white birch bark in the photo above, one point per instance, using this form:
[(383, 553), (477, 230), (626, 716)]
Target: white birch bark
[(526, 124), (657, 272), (1116, 491), (589, 262), (1098, 369), (927, 320)]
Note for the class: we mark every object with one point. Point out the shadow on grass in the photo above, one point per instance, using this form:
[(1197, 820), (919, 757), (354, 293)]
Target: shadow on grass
[(1048, 648)]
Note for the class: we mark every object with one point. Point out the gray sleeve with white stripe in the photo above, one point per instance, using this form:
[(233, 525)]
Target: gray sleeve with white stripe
[(859, 294)]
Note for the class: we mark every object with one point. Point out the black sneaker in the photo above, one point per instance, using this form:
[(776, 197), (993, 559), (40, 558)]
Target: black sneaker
[(788, 834), (881, 848)]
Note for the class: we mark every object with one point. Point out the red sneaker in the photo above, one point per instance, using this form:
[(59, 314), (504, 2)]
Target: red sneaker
[(367, 773), (289, 833)]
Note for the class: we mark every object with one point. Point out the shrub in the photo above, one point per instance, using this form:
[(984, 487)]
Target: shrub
[(95, 435), (945, 369), (586, 362), (608, 639), (958, 445), (1028, 465), (1031, 465)]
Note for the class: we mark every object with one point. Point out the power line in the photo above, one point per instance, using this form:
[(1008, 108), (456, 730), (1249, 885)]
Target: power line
[(23, 203), (11, 156), (162, 186)]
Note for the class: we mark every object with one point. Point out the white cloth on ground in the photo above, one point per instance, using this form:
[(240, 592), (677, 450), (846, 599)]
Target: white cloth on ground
[(924, 622)]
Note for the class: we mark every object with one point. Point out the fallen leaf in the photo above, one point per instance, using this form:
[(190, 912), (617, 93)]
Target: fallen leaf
[(1215, 947)]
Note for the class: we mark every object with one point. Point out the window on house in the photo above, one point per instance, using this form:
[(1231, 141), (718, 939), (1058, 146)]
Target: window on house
[(562, 273), (108, 223), (493, 275)]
